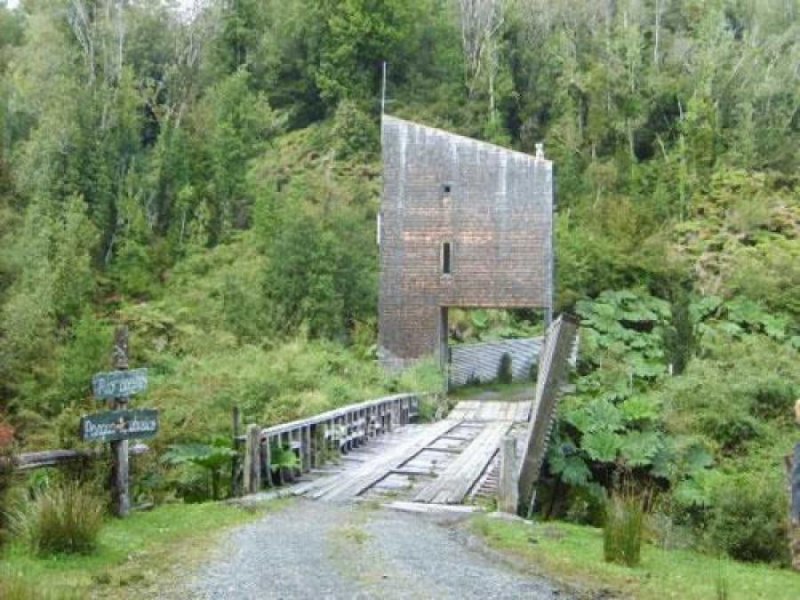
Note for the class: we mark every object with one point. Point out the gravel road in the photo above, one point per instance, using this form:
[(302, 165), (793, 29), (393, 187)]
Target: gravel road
[(325, 551)]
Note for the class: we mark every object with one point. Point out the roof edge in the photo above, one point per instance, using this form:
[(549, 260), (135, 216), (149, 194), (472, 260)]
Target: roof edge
[(530, 157)]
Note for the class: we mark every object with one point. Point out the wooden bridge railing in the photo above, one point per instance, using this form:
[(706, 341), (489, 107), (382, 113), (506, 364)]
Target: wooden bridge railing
[(29, 461), (313, 439)]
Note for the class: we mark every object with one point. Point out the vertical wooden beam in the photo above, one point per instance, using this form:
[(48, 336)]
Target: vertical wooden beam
[(268, 462), (793, 473), (236, 483), (252, 460), (305, 449), (120, 472), (296, 446), (507, 491), (350, 423), (313, 450)]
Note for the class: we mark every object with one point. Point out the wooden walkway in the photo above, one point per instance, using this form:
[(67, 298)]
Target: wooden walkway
[(443, 463)]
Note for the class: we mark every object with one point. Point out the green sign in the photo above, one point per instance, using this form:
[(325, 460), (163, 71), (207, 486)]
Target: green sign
[(119, 425), (119, 384)]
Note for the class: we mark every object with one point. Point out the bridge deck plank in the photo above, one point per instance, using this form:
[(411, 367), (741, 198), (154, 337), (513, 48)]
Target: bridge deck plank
[(494, 410), (455, 452), (460, 476), (353, 483)]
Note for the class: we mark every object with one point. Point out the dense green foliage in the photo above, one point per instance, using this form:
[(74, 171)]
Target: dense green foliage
[(158, 539), (572, 554), (211, 179)]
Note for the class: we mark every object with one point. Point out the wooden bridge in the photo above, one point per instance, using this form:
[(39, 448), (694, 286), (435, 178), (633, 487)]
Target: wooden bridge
[(375, 451)]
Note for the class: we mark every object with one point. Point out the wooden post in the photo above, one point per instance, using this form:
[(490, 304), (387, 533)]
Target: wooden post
[(306, 448), (507, 493), (236, 483), (120, 473), (793, 472), (268, 462), (252, 460)]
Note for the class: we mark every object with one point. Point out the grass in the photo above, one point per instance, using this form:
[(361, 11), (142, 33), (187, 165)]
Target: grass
[(132, 553), (501, 392), (573, 554), (353, 534)]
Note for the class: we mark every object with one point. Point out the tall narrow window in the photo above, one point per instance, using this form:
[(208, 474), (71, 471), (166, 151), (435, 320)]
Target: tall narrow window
[(446, 258)]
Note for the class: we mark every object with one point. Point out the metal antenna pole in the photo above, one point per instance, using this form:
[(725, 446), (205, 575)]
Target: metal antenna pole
[(383, 91)]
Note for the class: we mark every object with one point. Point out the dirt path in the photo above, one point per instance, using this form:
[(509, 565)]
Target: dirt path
[(325, 551)]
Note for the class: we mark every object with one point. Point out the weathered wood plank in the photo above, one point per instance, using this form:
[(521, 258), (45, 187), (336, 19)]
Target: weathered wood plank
[(335, 413), (455, 482), (354, 483), (507, 490), (553, 367), (252, 460), (478, 411), (431, 508)]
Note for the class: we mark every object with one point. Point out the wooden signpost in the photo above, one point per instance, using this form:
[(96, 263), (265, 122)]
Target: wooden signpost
[(121, 424)]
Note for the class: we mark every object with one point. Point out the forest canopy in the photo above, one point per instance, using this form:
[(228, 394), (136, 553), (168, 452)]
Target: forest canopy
[(208, 173)]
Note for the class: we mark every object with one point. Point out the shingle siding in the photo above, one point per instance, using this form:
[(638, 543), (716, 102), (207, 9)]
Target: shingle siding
[(497, 216)]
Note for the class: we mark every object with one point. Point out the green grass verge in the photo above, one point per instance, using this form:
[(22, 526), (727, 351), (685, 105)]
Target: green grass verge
[(133, 553), (502, 392), (573, 554)]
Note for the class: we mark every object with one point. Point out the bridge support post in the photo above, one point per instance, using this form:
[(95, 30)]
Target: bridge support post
[(252, 460), (507, 492)]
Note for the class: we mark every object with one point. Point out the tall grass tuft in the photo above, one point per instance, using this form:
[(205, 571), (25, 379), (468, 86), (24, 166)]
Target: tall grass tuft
[(721, 586), (64, 518), (624, 527)]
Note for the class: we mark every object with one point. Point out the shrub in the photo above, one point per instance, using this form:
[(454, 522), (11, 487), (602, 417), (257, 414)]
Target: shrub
[(6, 442), (64, 518), (212, 458), (773, 398), (748, 516), (354, 133), (504, 371), (533, 374), (730, 427), (623, 528)]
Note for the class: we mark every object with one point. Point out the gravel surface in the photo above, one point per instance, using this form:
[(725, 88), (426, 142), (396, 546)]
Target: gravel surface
[(325, 551)]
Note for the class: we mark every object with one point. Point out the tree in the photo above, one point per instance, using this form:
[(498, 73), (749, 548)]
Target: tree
[(356, 36)]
